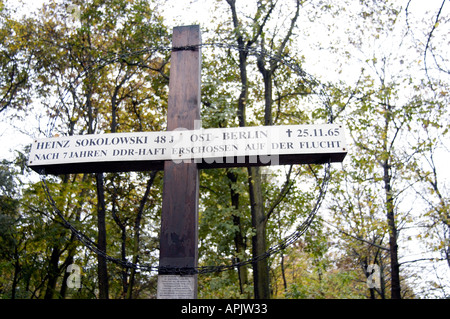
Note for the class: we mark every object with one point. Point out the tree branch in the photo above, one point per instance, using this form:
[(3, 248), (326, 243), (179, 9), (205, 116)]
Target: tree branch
[(430, 36)]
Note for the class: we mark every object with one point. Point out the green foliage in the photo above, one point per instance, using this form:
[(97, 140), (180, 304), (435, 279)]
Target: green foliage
[(83, 65)]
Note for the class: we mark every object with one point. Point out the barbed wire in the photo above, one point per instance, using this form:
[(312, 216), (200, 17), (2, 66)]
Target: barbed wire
[(111, 58), (282, 245)]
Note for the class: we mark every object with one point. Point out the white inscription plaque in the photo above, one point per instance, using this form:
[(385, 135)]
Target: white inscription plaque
[(176, 287), (267, 145)]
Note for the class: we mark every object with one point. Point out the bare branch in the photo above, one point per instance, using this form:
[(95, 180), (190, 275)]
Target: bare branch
[(430, 35)]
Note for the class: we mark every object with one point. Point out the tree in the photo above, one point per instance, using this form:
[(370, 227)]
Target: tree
[(430, 48), (359, 225), (9, 241), (73, 59), (267, 67), (14, 78)]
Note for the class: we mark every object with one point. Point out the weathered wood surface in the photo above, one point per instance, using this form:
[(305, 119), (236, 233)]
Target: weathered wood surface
[(179, 219)]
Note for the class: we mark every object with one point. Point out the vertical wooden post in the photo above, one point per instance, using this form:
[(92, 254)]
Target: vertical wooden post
[(179, 219)]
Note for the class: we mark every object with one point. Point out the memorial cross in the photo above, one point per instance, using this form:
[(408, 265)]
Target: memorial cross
[(180, 152)]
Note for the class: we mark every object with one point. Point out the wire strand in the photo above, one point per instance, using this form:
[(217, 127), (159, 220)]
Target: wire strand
[(286, 242), (289, 240)]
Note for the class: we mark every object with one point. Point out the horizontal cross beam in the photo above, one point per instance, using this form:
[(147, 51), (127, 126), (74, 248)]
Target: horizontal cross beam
[(209, 148)]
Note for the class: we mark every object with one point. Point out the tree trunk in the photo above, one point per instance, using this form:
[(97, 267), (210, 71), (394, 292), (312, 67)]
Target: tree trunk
[(390, 206), (268, 88), (123, 238), (67, 262), (283, 272), (260, 267), (239, 239), (103, 286), (393, 246), (137, 232), (259, 219), (53, 273), (16, 273), (72, 242)]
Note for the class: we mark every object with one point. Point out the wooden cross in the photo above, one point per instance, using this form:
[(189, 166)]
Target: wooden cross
[(180, 152), (179, 216)]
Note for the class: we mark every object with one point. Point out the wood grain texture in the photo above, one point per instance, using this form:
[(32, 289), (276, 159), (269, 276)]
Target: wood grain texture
[(179, 220)]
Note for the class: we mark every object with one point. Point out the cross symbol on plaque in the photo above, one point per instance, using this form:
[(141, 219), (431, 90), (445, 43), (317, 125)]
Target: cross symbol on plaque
[(181, 151)]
